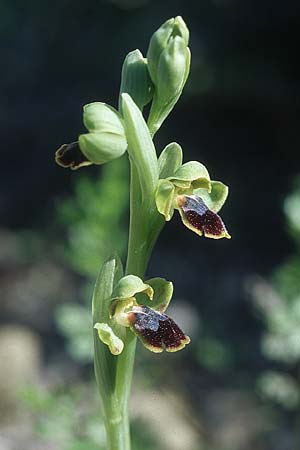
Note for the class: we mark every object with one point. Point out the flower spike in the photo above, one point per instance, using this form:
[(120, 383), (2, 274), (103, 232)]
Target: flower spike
[(199, 218)]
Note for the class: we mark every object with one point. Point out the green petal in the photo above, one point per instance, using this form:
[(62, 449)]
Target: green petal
[(169, 160), (164, 197), (130, 285), (216, 198), (108, 337), (163, 291), (193, 172)]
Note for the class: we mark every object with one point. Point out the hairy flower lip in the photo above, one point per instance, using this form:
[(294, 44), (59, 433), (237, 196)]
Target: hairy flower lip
[(70, 156), (157, 331), (199, 218)]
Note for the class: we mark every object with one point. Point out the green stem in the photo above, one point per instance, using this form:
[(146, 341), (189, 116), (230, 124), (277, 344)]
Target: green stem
[(139, 250)]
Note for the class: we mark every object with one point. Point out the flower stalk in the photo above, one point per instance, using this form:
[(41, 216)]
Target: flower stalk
[(125, 306)]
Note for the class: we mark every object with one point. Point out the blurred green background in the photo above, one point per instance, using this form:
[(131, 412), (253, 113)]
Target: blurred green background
[(237, 385)]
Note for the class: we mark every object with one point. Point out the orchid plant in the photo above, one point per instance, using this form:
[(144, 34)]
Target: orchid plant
[(125, 305)]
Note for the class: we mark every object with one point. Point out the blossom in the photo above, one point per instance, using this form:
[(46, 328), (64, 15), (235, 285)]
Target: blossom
[(188, 188), (141, 307)]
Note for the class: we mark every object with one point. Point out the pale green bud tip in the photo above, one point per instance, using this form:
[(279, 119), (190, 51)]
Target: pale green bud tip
[(70, 156), (180, 29), (108, 337)]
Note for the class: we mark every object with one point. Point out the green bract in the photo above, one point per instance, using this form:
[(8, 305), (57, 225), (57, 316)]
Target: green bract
[(135, 79)]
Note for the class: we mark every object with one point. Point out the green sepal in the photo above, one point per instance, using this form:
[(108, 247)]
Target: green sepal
[(136, 80), (169, 160), (164, 198), (100, 148), (163, 291), (215, 199), (130, 285), (100, 117), (192, 175), (140, 146), (107, 336)]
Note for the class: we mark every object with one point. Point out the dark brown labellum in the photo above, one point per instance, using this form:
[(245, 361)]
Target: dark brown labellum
[(198, 217), (70, 155), (157, 331)]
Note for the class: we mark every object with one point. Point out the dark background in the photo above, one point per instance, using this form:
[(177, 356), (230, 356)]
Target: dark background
[(239, 115)]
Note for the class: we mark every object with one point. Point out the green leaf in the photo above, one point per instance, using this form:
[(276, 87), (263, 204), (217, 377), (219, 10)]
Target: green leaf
[(130, 285), (163, 291), (164, 197), (215, 199), (140, 146), (169, 160)]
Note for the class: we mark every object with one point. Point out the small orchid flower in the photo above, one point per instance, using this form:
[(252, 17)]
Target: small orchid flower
[(140, 306), (104, 142), (189, 189)]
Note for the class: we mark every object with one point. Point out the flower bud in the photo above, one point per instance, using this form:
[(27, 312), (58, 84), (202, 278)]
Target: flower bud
[(135, 79), (169, 64), (106, 138), (161, 39)]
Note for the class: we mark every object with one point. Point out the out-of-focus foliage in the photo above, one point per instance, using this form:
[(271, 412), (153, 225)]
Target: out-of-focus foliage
[(95, 223), (279, 305), (94, 218), (213, 354), (69, 417)]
